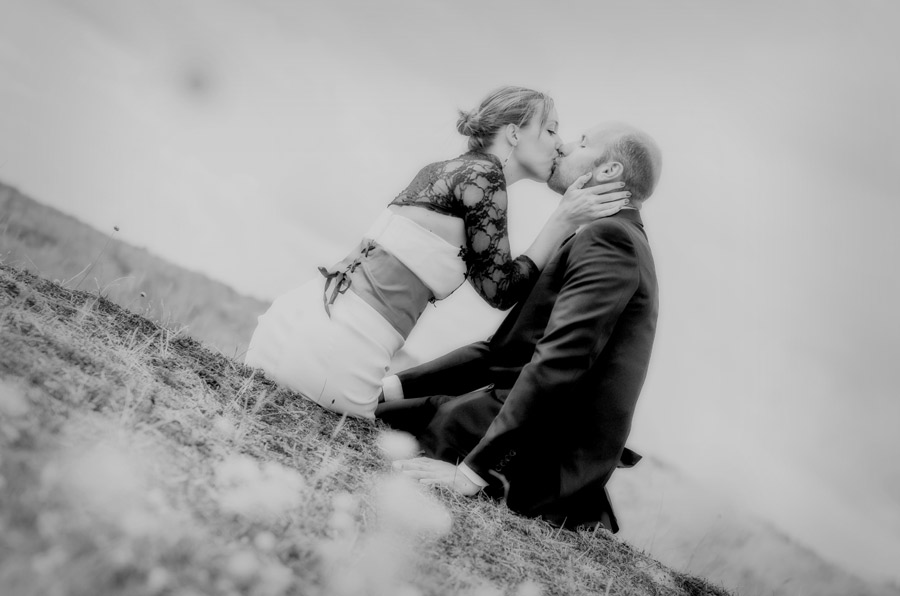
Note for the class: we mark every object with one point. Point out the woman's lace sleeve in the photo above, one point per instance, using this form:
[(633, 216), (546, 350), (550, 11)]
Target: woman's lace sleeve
[(501, 280)]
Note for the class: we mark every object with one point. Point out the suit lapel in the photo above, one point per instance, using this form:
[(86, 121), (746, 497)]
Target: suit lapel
[(525, 324)]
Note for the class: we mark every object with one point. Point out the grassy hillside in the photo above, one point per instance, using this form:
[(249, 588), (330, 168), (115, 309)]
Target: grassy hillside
[(660, 510), (134, 460), (45, 241)]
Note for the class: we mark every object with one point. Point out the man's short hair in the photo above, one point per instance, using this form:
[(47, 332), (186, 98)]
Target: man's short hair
[(640, 159)]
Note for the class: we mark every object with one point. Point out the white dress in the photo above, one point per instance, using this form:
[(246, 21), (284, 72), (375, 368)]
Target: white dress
[(332, 339)]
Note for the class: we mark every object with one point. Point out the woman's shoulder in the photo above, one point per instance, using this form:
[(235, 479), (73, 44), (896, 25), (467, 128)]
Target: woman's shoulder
[(476, 159), (475, 166), (469, 162), (442, 184)]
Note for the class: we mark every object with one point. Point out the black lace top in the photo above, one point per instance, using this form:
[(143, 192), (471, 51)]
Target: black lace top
[(473, 188)]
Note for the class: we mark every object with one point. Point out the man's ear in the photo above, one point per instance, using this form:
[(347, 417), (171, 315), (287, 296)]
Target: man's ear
[(607, 171), (512, 134)]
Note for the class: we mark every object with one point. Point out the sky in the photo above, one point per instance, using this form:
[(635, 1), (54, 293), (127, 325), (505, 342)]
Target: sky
[(256, 141)]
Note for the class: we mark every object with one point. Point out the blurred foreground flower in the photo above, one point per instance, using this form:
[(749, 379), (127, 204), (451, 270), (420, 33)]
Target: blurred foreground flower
[(224, 427), (343, 516), (260, 576), (14, 409), (404, 507), (102, 477), (397, 445), (380, 563), (257, 491), (12, 401), (111, 483)]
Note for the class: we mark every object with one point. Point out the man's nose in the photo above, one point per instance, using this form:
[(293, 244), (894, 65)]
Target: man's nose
[(564, 150)]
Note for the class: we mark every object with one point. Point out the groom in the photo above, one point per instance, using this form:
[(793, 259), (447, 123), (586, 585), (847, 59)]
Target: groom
[(539, 413)]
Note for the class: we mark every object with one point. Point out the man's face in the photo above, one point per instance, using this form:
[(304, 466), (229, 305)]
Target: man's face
[(577, 158)]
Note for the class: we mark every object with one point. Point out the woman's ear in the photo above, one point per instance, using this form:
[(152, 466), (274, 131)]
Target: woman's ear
[(609, 170), (512, 134)]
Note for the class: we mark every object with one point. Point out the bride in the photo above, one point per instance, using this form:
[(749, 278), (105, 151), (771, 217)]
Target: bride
[(332, 339)]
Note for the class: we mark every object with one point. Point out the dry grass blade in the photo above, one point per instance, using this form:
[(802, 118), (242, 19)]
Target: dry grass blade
[(121, 472)]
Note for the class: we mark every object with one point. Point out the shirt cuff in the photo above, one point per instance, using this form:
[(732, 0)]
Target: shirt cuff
[(392, 389), (472, 476)]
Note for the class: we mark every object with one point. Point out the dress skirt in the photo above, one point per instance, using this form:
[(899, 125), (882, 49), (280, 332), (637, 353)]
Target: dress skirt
[(374, 297), (337, 361)]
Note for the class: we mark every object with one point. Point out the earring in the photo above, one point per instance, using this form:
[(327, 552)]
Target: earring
[(508, 155)]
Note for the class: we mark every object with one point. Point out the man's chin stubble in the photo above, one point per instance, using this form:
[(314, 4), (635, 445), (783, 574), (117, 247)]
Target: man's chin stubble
[(554, 184)]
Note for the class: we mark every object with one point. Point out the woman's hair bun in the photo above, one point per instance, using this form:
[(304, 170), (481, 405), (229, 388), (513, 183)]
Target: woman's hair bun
[(466, 124), (506, 105)]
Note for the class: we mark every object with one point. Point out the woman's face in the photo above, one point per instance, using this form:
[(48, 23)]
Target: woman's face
[(538, 144)]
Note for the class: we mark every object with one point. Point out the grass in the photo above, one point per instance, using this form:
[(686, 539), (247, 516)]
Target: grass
[(135, 460), (46, 242)]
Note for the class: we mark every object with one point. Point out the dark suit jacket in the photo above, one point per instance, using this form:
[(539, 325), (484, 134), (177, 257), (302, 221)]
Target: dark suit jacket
[(552, 394)]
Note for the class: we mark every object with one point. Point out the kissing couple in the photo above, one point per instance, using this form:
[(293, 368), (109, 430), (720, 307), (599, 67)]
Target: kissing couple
[(539, 413)]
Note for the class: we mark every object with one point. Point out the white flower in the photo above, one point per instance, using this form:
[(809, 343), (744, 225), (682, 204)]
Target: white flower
[(403, 507), (265, 541), (12, 402), (243, 567), (397, 445), (224, 427), (344, 501), (274, 579), (258, 491)]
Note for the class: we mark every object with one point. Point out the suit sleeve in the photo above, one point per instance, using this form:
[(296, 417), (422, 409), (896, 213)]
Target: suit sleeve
[(462, 370), (601, 277)]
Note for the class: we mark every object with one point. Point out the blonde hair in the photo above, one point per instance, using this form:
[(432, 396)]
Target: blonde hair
[(506, 105)]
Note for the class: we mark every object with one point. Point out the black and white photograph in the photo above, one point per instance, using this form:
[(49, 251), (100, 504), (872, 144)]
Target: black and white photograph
[(426, 298)]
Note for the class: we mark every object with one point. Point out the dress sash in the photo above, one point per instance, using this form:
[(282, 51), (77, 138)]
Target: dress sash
[(431, 258)]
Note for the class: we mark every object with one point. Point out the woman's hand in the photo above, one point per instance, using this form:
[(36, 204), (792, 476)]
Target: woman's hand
[(578, 206), (583, 205)]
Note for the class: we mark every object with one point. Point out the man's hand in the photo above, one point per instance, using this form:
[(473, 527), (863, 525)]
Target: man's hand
[(433, 471)]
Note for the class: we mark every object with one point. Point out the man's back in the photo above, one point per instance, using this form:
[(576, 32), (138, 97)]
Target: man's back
[(562, 375), (568, 364), (633, 329)]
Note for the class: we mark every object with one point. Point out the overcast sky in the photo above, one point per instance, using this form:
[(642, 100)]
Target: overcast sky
[(255, 141)]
